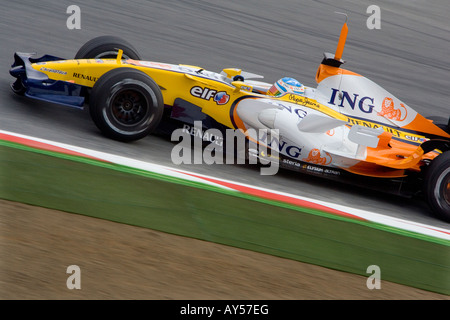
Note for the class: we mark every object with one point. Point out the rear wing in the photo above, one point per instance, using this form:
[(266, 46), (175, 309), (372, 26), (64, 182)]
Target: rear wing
[(331, 62), (336, 59)]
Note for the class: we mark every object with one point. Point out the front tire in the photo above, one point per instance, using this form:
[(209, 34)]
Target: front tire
[(437, 186), (126, 104), (106, 47)]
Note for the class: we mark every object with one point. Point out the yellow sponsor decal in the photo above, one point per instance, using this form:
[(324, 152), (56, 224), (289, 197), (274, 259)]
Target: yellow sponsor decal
[(313, 104), (396, 132)]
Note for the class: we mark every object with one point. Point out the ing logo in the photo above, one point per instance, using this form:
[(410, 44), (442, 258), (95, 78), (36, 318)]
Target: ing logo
[(388, 110)]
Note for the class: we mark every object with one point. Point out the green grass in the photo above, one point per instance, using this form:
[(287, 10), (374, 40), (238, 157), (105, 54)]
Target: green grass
[(134, 197)]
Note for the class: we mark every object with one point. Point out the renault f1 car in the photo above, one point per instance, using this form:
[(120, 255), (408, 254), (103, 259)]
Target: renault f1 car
[(347, 128)]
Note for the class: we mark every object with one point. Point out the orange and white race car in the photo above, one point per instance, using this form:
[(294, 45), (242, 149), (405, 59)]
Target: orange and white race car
[(347, 128)]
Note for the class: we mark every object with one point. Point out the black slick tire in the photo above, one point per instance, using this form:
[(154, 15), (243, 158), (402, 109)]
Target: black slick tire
[(106, 47), (126, 104), (437, 186)]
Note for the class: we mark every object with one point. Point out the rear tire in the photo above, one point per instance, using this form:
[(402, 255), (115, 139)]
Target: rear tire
[(106, 47), (437, 186), (126, 104)]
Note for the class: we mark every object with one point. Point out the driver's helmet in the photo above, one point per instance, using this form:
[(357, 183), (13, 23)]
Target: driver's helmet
[(286, 85)]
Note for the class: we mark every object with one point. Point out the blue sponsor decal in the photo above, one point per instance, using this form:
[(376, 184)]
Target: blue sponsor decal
[(347, 101)]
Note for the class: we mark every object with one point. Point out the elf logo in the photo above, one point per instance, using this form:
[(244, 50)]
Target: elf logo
[(207, 94)]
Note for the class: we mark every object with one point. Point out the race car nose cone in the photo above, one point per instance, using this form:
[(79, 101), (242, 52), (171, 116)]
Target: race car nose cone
[(267, 117)]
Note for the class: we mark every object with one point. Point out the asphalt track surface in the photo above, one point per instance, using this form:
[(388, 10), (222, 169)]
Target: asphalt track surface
[(408, 56)]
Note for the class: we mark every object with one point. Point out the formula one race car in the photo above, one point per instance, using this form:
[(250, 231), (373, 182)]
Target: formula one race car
[(347, 128)]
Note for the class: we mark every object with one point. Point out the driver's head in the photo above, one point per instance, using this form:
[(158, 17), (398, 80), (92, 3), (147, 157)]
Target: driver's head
[(286, 85)]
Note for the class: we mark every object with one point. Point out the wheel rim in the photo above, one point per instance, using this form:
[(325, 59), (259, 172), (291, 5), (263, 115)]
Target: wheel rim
[(129, 107), (447, 191), (110, 55), (443, 186)]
